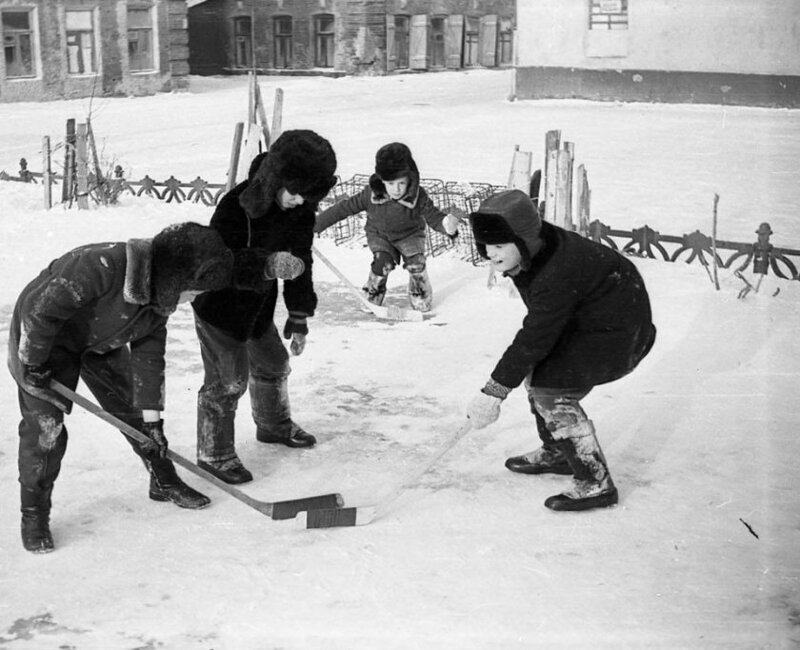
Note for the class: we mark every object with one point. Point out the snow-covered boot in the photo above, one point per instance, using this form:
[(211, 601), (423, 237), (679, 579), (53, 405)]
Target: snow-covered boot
[(375, 288), (166, 485), (216, 452), (272, 413), (592, 484), (420, 293)]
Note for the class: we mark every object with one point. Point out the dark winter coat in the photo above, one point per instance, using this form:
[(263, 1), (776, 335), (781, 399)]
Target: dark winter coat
[(588, 321), (247, 309), (387, 218), (93, 300)]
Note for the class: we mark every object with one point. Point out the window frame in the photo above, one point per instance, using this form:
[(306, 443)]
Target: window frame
[(142, 62), (242, 42), (30, 69), (324, 41), (92, 41), (402, 40), (283, 45)]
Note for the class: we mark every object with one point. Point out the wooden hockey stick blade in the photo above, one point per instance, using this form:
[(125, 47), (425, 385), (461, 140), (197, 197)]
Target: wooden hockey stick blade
[(337, 517), (276, 510), (389, 313), (361, 515)]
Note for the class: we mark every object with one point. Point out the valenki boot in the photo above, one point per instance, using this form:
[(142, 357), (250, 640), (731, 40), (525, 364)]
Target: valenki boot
[(216, 451), (272, 413), (35, 523), (420, 293), (592, 484), (375, 288)]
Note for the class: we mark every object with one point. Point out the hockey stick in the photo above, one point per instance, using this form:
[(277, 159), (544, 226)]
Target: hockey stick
[(390, 313), (361, 515), (275, 510)]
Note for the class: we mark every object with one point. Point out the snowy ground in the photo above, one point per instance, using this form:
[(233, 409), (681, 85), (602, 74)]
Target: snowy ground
[(701, 551)]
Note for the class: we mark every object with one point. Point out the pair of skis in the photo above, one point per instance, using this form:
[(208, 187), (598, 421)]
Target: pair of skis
[(319, 511)]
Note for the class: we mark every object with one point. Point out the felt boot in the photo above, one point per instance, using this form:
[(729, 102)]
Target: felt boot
[(420, 293), (375, 288)]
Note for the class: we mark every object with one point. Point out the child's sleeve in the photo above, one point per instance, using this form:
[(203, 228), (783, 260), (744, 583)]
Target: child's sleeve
[(342, 209), (433, 216)]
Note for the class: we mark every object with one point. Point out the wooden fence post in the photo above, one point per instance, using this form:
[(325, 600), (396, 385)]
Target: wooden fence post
[(233, 166), (277, 115), (582, 205), (67, 184), (82, 166), (46, 173)]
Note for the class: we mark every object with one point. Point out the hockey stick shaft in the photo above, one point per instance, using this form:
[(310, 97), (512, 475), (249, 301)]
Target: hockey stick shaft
[(379, 311), (276, 510)]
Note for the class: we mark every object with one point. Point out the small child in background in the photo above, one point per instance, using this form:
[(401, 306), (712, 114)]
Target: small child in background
[(398, 210)]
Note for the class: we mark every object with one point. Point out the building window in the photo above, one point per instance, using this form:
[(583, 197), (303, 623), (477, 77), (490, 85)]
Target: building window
[(18, 44), (80, 42), (471, 32), (437, 42), (608, 14), (242, 42), (401, 32), (323, 41), (282, 32), (505, 41), (140, 39)]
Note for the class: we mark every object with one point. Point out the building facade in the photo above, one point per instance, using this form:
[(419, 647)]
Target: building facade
[(743, 52), (349, 36), (56, 49)]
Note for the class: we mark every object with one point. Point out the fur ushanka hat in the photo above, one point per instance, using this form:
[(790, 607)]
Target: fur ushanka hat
[(393, 161), (301, 161), (188, 257), (507, 217)]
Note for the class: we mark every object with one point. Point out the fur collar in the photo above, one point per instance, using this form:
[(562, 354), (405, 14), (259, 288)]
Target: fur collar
[(408, 201), (138, 271)]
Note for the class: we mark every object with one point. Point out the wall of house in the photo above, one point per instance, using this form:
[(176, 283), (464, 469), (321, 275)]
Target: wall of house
[(113, 76), (719, 51), (360, 31)]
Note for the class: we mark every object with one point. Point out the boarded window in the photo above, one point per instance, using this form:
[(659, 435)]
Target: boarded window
[(80, 42), (323, 41), (140, 39), (608, 14), (437, 42), (505, 41), (242, 42), (488, 41), (282, 33), (401, 34), (454, 41), (18, 43), (471, 34)]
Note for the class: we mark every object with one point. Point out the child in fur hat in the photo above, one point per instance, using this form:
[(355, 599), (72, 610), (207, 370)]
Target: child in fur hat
[(588, 323), (100, 313), (397, 211), (268, 222)]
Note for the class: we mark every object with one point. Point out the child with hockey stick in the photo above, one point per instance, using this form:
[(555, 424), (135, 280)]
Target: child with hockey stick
[(398, 210), (588, 323), (99, 313)]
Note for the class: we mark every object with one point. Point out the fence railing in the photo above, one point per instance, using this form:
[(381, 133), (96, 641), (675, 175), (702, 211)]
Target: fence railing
[(467, 196)]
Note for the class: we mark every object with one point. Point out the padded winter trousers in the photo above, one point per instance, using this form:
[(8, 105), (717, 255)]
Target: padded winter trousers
[(42, 433), (231, 366)]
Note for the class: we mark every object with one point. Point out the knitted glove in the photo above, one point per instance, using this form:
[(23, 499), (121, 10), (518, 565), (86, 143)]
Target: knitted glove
[(283, 266), (156, 447), (485, 406), (296, 329)]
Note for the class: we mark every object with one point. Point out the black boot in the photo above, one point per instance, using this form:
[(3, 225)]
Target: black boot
[(216, 449), (166, 485), (288, 434), (36, 536), (231, 471), (592, 484)]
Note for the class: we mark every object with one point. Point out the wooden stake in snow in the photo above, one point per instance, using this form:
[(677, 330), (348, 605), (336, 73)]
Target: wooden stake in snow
[(82, 167), (47, 173), (233, 166), (714, 242), (68, 182)]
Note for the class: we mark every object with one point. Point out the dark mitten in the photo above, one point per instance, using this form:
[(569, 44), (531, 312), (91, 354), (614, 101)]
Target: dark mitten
[(296, 328), (156, 446)]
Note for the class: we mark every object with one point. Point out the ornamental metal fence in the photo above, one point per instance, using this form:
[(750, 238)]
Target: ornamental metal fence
[(761, 255)]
